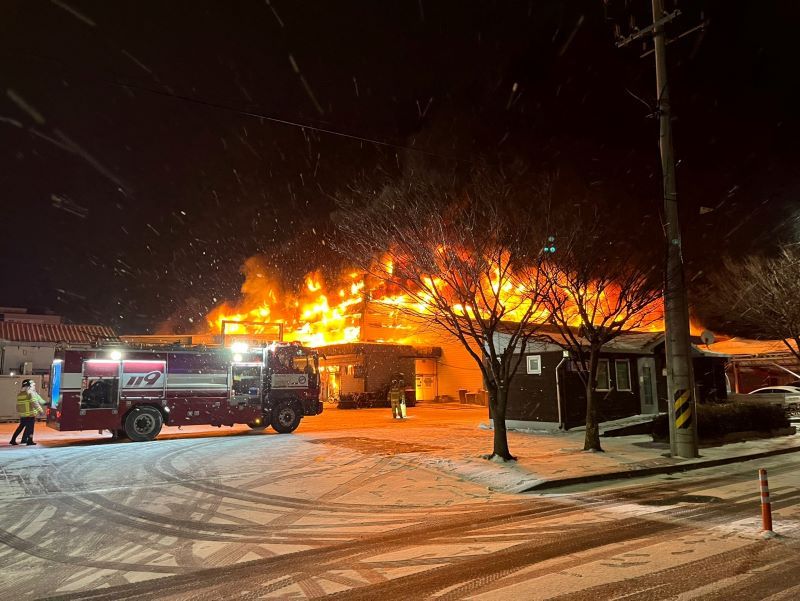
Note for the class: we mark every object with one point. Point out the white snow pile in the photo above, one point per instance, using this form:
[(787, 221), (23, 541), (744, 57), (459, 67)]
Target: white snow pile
[(551, 431), (619, 423), (497, 475)]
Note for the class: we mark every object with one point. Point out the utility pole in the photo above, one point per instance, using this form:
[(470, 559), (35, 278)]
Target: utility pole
[(680, 375)]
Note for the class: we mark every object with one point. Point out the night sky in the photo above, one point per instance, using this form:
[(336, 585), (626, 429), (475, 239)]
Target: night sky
[(142, 163)]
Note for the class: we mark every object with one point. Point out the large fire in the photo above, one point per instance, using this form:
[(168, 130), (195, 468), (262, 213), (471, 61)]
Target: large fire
[(316, 315), (332, 310)]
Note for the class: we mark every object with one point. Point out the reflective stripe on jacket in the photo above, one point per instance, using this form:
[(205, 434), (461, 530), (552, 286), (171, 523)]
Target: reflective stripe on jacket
[(27, 405)]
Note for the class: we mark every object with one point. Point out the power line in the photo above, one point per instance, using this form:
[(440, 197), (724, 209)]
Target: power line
[(249, 113), (257, 115)]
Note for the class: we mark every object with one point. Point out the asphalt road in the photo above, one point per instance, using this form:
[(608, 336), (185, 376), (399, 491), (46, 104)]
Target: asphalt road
[(255, 516)]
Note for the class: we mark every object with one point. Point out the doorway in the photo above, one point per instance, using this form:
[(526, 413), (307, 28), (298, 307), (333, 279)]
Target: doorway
[(648, 392), (426, 382)]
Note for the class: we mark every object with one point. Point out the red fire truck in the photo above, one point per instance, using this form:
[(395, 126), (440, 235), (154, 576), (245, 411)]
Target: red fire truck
[(134, 390)]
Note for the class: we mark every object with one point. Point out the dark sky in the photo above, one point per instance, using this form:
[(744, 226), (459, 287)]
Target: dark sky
[(136, 175)]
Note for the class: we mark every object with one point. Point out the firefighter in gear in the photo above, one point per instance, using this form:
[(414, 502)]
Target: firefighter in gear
[(29, 406), (397, 399)]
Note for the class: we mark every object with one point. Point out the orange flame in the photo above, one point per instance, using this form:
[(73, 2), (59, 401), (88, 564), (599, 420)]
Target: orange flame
[(314, 316), (335, 310)]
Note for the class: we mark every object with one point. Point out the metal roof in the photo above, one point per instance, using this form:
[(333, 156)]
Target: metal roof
[(15, 331), (751, 348), (549, 338)]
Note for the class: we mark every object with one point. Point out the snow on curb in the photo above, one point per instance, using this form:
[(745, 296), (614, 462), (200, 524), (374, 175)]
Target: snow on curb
[(497, 476)]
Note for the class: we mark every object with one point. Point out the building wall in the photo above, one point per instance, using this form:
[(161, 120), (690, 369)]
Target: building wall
[(613, 404), (370, 367), (13, 355), (19, 314), (456, 369), (382, 362), (534, 398)]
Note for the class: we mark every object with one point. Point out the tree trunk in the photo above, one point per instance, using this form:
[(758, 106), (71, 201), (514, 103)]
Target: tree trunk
[(796, 350), (498, 399), (592, 440)]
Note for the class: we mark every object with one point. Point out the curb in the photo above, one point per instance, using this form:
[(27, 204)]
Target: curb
[(650, 471)]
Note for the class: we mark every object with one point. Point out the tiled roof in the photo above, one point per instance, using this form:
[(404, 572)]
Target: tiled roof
[(42, 332)]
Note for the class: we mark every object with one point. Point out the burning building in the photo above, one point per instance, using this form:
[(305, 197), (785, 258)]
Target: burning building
[(367, 335), (364, 337)]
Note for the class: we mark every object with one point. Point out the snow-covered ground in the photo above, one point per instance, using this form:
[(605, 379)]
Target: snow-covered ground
[(78, 512)]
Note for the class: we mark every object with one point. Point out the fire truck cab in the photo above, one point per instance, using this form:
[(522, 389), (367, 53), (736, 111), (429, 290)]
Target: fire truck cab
[(134, 390)]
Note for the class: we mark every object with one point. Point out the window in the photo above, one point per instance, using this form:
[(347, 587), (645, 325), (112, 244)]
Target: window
[(100, 384), (622, 374), (575, 366), (603, 379), (282, 360), (534, 364), (306, 364), (99, 393)]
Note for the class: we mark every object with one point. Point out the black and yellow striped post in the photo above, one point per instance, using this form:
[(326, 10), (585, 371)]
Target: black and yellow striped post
[(683, 409), (683, 431), (685, 425)]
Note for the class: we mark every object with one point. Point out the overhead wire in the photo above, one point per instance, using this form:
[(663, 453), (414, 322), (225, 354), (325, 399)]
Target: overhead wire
[(166, 91), (282, 121)]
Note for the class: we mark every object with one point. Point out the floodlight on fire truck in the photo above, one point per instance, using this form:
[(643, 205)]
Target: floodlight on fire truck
[(239, 347), (237, 358), (116, 355)]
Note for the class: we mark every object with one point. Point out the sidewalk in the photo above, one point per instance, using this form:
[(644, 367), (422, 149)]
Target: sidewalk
[(545, 459), (636, 456), (454, 437)]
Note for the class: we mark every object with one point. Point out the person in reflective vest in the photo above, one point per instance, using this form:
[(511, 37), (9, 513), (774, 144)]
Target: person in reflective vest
[(397, 399), (29, 407)]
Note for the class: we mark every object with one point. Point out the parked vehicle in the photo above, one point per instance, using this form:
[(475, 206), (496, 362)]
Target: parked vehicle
[(789, 395), (785, 389), (135, 390)]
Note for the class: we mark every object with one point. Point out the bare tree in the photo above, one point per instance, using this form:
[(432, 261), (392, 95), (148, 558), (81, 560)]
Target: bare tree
[(757, 297), (464, 256), (598, 289)]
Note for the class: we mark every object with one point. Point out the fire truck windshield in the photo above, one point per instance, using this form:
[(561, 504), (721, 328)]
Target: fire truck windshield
[(306, 363), (295, 359)]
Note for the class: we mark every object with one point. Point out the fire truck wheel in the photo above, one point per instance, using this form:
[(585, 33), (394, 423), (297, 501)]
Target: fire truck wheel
[(143, 424), (286, 417)]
